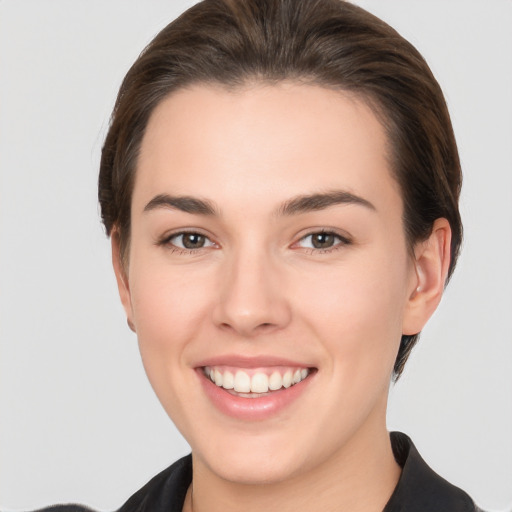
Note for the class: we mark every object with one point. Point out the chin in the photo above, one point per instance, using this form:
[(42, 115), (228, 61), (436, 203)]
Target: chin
[(255, 470), (252, 461)]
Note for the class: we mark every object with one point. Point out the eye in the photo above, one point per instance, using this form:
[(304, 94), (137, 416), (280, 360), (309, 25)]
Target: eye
[(189, 240), (322, 240)]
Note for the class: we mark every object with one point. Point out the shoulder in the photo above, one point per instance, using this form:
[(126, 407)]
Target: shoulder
[(419, 487), (163, 493)]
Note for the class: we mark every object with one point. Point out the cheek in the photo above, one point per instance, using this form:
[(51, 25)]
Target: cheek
[(169, 310), (357, 310), (169, 306)]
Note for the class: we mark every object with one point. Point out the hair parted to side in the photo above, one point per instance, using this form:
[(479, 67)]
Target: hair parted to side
[(330, 43)]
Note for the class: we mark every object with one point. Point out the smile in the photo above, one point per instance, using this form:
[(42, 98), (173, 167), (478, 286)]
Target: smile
[(254, 389), (251, 384)]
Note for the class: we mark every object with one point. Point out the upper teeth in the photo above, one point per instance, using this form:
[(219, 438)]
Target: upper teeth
[(259, 382)]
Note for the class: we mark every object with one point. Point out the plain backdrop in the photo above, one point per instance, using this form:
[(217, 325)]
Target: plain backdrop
[(78, 420)]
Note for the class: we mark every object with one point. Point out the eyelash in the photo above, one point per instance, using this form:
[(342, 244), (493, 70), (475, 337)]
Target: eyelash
[(342, 241), (167, 242)]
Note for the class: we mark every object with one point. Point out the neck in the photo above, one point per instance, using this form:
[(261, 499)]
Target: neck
[(361, 478)]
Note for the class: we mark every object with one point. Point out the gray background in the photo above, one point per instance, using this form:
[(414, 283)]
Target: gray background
[(78, 420)]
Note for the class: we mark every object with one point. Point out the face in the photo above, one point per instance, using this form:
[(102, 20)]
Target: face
[(268, 254)]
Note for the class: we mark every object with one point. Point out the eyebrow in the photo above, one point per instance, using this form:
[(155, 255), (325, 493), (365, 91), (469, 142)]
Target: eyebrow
[(294, 206), (185, 204), (316, 202)]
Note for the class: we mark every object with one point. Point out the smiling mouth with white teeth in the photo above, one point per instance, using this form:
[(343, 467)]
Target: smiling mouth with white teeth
[(254, 384)]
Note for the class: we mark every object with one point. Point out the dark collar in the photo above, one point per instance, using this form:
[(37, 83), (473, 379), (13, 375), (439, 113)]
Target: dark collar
[(165, 492), (419, 488)]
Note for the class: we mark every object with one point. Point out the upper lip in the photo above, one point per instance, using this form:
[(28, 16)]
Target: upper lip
[(242, 361)]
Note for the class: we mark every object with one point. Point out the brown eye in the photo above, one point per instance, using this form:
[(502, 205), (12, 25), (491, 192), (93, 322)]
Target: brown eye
[(193, 240), (322, 240), (190, 241)]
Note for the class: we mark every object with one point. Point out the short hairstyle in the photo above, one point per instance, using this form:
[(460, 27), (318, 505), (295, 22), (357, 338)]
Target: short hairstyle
[(330, 43)]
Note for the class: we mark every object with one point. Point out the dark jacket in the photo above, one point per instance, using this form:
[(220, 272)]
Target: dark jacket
[(418, 490)]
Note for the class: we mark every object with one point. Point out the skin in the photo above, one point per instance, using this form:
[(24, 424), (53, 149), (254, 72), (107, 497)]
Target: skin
[(259, 287)]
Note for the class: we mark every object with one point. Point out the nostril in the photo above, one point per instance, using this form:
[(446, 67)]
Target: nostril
[(265, 326)]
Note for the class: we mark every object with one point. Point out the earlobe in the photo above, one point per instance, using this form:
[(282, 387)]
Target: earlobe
[(431, 264), (122, 278)]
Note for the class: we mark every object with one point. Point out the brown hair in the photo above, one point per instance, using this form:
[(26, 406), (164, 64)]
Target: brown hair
[(331, 43)]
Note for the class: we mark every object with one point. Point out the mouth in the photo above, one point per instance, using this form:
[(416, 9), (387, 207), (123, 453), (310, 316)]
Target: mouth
[(255, 383), (255, 393)]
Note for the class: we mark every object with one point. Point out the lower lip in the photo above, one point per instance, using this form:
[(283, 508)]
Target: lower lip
[(252, 409)]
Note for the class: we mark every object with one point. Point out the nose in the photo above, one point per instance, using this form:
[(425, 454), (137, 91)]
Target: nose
[(252, 297)]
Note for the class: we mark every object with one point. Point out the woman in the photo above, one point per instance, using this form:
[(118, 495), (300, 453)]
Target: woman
[(280, 181)]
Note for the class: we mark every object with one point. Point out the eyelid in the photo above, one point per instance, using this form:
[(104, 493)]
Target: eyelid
[(165, 240), (344, 239)]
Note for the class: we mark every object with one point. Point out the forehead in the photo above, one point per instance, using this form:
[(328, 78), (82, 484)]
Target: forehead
[(263, 141)]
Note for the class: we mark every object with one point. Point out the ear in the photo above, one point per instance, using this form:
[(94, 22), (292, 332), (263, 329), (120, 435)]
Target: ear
[(122, 278), (431, 263)]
